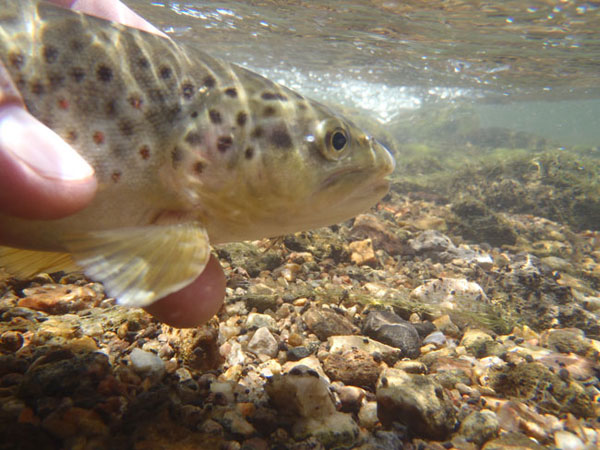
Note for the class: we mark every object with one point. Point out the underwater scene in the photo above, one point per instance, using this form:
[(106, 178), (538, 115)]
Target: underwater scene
[(458, 309)]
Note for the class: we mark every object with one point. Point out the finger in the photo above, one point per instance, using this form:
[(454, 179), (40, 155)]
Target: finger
[(110, 10), (41, 176), (196, 303)]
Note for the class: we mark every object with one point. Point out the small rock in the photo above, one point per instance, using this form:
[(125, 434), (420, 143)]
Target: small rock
[(341, 344), (236, 424), (431, 241), (11, 341), (351, 398), (565, 440), (355, 368), (367, 416), (325, 323), (512, 441), (449, 290), (297, 353), (480, 426), (389, 328), (147, 364), (255, 321), (481, 344), (362, 253), (303, 396), (437, 338), (263, 342), (416, 401)]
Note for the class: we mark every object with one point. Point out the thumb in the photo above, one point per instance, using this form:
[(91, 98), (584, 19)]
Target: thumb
[(41, 176)]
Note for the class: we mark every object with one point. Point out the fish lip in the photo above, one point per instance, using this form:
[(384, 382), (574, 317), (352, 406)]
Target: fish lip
[(373, 180)]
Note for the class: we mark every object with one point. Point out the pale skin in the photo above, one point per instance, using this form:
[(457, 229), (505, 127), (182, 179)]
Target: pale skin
[(42, 177)]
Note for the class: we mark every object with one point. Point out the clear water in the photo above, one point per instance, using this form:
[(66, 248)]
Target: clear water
[(524, 65)]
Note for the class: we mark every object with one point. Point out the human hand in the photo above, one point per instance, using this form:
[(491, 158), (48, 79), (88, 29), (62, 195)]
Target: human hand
[(42, 177)]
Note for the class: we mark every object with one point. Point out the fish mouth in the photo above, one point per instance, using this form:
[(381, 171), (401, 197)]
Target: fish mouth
[(358, 177)]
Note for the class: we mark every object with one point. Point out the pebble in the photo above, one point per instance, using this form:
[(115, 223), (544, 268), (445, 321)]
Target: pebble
[(449, 291), (416, 401), (147, 364), (256, 320), (354, 367), (263, 342), (325, 323), (362, 253), (390, 329), (480, 426)]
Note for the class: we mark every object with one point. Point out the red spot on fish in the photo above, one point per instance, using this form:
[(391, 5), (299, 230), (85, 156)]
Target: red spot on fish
[(98, 137), (63, 103), (135, 100), (145, 152), (116, 176)]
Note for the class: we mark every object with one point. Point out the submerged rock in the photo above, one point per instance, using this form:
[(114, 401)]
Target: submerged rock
[(391, 329), (304, 397), (416, 401)]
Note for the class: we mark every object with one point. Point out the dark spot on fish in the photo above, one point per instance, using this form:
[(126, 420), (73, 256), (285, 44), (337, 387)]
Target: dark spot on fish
[(110, 108), (241, 118), (56, 80), (98, 137), (193, 138), (194, 114), (16, 59), (257, 132), (126, 127), (176, 156), (143, 63), (269, 111), (76, 45), (165, 72), (50, 54), (280, 137), (215, 116), (198, 167), (187, 89), (231, 92), (116, 176), (135, 100), (145, 152), (37, 88), (171, 112), (249, 153), (63, 103), (104, 73), (273, 96), (302, 106), (157, 95), (71, 136), (20, 82), (224, 143), (78, 74), (209, 82), (104, 36)]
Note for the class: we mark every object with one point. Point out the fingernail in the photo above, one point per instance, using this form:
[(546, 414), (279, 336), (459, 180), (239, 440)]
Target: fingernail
[(39, 147)]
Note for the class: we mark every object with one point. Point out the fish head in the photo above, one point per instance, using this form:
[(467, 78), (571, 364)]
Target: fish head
[(294, 165)]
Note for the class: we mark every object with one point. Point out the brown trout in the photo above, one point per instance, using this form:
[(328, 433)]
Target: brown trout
[(187, 149)]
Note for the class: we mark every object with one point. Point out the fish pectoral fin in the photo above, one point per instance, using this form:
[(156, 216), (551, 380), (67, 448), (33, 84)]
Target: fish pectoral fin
[(140, 265), (27, 263)]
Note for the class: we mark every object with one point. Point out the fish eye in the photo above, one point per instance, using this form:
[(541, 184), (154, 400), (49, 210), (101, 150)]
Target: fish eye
[(333, 138), (338, 140)]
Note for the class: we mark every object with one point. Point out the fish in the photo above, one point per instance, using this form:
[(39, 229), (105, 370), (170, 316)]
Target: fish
[(188, 150)]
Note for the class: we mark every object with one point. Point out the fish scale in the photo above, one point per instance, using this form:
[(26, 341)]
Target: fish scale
[(187, 150)]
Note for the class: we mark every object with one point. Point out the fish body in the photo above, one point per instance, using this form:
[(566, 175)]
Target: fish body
[(187, 150)]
